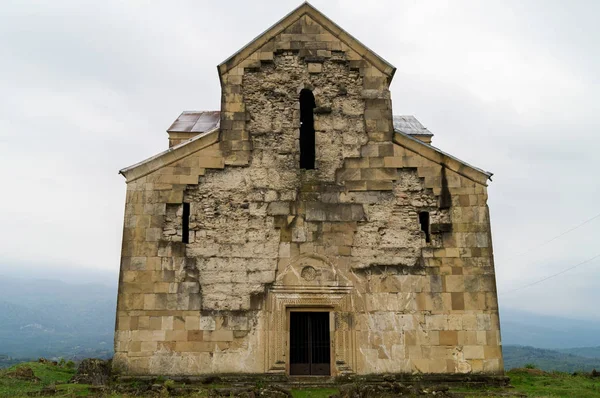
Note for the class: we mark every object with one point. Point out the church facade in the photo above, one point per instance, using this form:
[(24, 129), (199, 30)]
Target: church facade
[(305, 230)]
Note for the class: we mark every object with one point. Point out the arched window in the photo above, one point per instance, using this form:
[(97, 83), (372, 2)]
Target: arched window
[(307, 130)]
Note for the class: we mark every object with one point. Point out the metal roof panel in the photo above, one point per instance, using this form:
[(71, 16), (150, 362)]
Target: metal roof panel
[(195, 122), (409, 124)]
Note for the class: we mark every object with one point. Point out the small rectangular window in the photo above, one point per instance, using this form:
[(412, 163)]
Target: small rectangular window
[(424, 221), (185, 222)]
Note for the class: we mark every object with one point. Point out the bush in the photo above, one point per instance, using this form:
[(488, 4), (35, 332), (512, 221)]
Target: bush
[(169, 383), (530, 366)]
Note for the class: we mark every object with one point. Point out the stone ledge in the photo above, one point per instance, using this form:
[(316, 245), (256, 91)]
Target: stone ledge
[(423, 379)]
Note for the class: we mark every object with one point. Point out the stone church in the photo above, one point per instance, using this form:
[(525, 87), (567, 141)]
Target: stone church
[(305, 230)]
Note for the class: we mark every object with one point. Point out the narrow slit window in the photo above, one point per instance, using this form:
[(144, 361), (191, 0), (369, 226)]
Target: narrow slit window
[(424, 221), (185, 223), (307, 130)]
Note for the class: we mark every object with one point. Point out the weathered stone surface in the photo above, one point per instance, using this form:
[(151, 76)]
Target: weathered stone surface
[(92, 371), (265, 237)]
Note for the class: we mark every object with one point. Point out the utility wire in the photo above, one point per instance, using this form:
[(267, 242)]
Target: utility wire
[(556, 237), (553, 275)]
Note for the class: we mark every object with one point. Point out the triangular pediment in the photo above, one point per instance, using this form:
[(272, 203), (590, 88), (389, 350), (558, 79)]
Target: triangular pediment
[(318, 17)]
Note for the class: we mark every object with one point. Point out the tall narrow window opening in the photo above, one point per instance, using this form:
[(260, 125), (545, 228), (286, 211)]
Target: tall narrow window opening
[(185, 223), (307, 129), (424, 221)]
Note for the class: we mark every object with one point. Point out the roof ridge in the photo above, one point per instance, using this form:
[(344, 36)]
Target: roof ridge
[(307, 9)]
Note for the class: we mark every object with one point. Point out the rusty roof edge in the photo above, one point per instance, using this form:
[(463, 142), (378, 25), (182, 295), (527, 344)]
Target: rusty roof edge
[(419, 142), (306, 4), (425, 134), (171, 149)]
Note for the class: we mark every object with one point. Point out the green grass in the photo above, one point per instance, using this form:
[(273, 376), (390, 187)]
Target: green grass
[(314, 393), (555, 384), (48, 374)]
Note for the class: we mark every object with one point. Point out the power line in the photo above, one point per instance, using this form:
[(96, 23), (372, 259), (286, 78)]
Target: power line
[(556, 237), (553, 275)]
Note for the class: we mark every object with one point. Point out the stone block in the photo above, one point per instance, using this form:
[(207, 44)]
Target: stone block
[(469, 322), (436, 322), (474, 301), (458, 301), (454, 283), (211, 162), (149, 301), (195, 335), (218, 335), (379, 186), (155, 323), (278, 208), (473, 352), (393, 161), (449, 337), (350, 174), (315, 67), (492, 365), (148, 346), (176, 335), (356, 185), (192, 322)]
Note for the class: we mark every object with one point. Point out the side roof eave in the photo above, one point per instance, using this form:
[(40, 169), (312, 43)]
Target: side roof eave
[(171, 155), (438, 156), (306, 8)]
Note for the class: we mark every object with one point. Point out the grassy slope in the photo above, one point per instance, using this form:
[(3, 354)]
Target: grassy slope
[(48, 374), (554, 384)]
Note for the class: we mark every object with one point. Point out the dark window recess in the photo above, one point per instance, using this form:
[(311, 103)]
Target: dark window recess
[(307, 129), (424, 221), (185, 223)]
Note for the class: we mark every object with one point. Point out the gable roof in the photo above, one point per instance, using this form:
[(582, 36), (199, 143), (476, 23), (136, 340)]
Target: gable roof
[(307, 9)]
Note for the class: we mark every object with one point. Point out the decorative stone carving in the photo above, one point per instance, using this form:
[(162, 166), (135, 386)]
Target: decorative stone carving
[(309, 282), (308, 273)]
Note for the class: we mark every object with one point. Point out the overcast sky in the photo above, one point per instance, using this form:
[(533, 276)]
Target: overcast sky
[(509, 86)]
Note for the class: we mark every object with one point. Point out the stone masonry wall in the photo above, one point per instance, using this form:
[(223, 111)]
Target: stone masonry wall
[(409, 305)]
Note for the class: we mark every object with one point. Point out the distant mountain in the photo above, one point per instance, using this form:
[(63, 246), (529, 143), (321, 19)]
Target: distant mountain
[(520, 356), (586, 352), (52, 318), (542, 331)]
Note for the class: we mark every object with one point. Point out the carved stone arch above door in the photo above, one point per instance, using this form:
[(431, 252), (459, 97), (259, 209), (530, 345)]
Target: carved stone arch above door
[(312, 270)]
